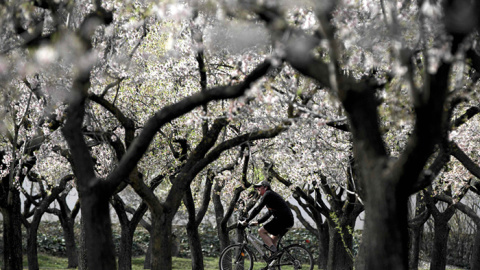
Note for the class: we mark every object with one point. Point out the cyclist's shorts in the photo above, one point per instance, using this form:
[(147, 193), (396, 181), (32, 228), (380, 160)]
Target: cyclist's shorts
[(278, 227)]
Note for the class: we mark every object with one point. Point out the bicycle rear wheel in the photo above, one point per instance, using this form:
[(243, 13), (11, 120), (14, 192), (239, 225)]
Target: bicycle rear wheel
[(296, 257), (236, 257)]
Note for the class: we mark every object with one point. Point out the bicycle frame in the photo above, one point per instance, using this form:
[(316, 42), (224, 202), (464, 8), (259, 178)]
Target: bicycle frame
[(283, 256), (250, 239), (259, 245)]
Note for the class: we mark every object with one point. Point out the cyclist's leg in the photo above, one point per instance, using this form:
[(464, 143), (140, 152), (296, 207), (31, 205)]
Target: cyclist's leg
[(265, 235), (277, 228)]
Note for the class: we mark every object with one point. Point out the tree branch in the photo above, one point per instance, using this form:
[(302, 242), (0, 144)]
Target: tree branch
[(168, 113)]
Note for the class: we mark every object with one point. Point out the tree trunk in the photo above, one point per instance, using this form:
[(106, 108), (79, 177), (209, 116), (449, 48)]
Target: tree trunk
[(32, 255), (162, 242), (126, 243), (68, 227), (385, 234), (439, 249), (82, 252), (195, 247), (192, 232), (222, 231), (98, 230), (340, 255), (415, 236), (148, 256), (70, 243), (126, 237), (475, 259), (323, 245), (415, 229), (12, 232)]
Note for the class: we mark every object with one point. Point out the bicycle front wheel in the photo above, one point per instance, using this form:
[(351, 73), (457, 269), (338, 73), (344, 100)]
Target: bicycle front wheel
[(236, 257), (296, 257)]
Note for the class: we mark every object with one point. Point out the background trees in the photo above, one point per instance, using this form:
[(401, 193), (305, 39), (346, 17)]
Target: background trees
[(123, 93)]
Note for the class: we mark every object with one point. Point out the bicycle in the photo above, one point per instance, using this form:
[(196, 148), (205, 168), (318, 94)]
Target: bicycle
[(240, 255)]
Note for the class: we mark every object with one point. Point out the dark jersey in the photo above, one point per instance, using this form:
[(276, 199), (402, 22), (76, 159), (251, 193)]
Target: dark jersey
[(276, 206)]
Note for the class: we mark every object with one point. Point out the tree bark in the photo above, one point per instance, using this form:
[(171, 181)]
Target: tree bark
[(439, 249), (222, 231), (475, 259), (67, 221), (126, 235), (12, 232), (192, 232), (195, 219), (415, 237), (70, 244), (415, 229), (340, 256), (195, 247), (148, 256), (32, 255), (82, 251), (162, 239), (385, 232), (98, 230)]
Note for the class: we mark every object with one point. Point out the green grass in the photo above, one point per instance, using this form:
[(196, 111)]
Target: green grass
[(59, 263)]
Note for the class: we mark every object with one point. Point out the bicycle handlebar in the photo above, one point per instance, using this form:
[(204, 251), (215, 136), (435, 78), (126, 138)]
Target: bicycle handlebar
[(249, 225)]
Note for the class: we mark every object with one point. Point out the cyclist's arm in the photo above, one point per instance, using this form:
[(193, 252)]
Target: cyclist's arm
[(265, 217), (256, 210)]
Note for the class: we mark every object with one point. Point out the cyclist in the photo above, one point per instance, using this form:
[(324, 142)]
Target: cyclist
[(278, 207)]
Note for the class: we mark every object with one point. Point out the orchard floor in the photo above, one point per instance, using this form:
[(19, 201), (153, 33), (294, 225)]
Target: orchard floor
[(58, 263), (426, 265)]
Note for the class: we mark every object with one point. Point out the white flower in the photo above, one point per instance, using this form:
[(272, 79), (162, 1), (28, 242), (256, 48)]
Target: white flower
[(430, 9), (46, 55)]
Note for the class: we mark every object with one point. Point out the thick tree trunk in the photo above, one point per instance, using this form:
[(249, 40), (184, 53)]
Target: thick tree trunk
[(12, 233), (100, 250), (340, 255), (439, 249), (385, 234), (162, 243)]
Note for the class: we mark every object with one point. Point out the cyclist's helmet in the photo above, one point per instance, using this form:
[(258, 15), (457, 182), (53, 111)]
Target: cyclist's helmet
[(264, 183)]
